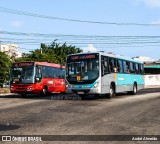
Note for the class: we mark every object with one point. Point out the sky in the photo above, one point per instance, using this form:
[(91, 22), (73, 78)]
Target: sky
[(125, 27)]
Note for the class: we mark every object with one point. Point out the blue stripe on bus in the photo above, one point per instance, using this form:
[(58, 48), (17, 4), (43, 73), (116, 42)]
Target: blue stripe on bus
[(124, 79), (83, 85)]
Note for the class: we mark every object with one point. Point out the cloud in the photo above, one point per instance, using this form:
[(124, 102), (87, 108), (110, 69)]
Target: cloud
[(156, 22), (90, 48), (152, 3), (16, 24)]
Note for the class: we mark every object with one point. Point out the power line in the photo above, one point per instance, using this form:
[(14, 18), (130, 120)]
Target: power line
[(75, 36), (78, 38), (35, 39), (13, 11)]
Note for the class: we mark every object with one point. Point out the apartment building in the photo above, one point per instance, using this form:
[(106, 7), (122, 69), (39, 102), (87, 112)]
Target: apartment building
[(10, 49)]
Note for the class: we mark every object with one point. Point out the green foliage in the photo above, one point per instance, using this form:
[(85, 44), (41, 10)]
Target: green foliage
[(5, 64), (54, 53)]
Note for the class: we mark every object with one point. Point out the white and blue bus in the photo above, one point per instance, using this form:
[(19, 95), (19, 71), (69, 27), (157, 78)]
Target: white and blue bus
[(100, 73)]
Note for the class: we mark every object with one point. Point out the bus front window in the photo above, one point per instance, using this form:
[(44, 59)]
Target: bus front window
[(86, 71), (23, 74)]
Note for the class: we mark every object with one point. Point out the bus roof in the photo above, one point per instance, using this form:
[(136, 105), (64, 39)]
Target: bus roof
[(43, 64), (151, 66), (111, 55), (49, 64)]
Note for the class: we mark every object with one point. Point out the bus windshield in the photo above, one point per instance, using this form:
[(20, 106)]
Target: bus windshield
[(82, 70), (22, 74)]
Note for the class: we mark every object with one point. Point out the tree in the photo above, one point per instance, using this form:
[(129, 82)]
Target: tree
[(5, 64), (54, 53)]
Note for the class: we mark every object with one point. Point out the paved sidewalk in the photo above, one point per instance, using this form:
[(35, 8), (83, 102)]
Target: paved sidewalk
[(8, 94), (152, 86)]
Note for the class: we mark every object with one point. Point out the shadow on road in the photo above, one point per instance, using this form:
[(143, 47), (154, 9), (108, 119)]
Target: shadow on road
[(60, 96), (30, 96), (149, 90), (5, 127)]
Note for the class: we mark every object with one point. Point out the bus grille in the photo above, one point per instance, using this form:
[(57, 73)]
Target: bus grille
[(24, 89), (85, 91)]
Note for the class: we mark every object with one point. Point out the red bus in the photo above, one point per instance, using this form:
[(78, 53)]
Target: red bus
[(37, 78)]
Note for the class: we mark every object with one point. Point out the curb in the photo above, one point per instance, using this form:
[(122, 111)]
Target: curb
[(3, 94)]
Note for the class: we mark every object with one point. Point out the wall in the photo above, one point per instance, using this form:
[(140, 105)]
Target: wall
[(152, 80)]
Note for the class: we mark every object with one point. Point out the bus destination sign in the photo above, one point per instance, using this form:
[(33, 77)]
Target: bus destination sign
[(83, 57), (21, 64)]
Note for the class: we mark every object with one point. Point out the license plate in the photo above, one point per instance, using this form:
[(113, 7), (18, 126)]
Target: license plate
[(80, 92)]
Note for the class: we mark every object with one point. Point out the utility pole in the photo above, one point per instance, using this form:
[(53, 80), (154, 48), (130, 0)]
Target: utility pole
[(0, 45), (41, 48)]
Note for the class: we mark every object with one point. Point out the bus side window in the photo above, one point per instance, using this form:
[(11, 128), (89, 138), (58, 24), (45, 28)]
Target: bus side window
[(120, 66), (131, 67), (55, 72), (124, 67), (61, 72), (105, 67), (140, 68), (38, 73), (115, 68), (137, 70), (111, 65), (127, 67), (134, 68), (49, 72)]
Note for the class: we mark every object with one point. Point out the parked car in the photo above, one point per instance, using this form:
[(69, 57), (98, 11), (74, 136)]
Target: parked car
[(6, 85)]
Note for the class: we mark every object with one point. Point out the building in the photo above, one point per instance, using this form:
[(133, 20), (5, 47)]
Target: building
[(151, 71), (10, 49), (144, 59)]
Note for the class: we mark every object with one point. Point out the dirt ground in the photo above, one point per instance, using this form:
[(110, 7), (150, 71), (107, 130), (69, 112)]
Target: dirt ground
[(4, 90)]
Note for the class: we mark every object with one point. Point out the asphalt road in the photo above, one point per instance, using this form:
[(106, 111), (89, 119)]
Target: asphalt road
[(121, 115)]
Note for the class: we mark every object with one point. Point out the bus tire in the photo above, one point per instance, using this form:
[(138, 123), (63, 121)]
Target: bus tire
[(44, 91), (111, 91), (134, 92)]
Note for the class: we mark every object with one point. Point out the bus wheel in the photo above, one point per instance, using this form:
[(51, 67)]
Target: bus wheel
[(111, 91), (134, 89), (44, 91)]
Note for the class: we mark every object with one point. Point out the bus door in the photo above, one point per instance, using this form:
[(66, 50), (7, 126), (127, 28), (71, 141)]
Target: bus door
[(105, 76), (120, 76), (59, 81)]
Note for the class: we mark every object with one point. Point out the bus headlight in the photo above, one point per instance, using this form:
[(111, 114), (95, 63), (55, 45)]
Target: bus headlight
[(96, 84), (29, 88), (62, 83), (12, 87)]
